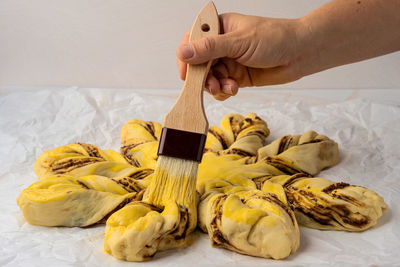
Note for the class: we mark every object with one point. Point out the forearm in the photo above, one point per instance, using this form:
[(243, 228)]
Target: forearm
[(347, 31)]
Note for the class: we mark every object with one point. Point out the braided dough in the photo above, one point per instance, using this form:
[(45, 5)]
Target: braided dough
[(250, 197), (70, 201)]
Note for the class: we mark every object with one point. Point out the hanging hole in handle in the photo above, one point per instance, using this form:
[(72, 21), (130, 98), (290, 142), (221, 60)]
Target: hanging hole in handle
[(205, 27)]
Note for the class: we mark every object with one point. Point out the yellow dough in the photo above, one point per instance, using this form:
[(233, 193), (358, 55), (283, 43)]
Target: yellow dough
[(139, 230), (66, 158), (236, 128), (323, 204), (308, 153), (140, 143), (250, 196), (68, 201), (250, 222)]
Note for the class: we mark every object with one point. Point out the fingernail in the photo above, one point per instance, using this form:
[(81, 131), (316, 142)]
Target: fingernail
[(227, 89), (187, 51)]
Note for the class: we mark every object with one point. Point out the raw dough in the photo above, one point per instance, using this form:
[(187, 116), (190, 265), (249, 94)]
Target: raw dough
[(69, 201), (322, 204), (250, 196)]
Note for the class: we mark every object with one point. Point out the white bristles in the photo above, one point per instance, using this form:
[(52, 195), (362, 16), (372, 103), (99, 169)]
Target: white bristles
[(173, 180)]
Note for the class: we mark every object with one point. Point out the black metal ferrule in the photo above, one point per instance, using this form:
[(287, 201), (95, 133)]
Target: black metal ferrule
[(181, 144)]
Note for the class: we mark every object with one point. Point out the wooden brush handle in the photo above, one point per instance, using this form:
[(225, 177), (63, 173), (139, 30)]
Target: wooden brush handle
[(188, 112)]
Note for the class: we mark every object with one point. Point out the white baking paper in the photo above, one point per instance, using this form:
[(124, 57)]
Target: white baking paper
[(366, 129)]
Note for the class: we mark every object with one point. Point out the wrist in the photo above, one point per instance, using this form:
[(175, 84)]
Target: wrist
[(306, 58)]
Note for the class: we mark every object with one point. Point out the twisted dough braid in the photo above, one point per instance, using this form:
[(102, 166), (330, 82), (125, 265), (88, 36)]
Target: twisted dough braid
[(308, 153), (138, 230), (81, 185), (69, 201), (237, 135), (250, 222), (140, 143), (322, 204), (66, 158)]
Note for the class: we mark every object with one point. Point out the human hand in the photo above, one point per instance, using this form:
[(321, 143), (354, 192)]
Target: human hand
[(251, 51)]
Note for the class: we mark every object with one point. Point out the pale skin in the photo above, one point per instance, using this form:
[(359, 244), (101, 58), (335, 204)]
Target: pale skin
[(259, 51)]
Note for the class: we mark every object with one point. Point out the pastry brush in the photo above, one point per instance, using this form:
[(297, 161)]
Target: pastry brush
[(184, 128)]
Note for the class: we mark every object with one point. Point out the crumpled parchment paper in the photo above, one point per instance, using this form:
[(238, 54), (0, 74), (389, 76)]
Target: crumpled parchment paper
[(34, 120)]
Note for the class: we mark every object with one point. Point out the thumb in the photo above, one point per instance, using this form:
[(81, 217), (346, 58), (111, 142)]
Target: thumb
[(206, 49)]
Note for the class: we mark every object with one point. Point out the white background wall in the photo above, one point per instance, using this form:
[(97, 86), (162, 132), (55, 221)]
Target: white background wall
[(131, 43)]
